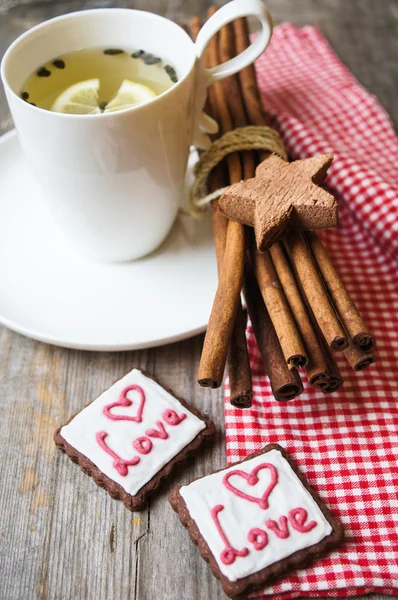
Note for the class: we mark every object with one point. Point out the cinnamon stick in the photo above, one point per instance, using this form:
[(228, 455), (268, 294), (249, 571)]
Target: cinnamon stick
[(335, 377), (223, 315), (316, 366), (332, 379), (219, 101), (240, 381), (195, 26), (238, 362), (225, 306), (285, 383), (278, 308), (306, 271), (229, 341), (359, 359), (233, 95), (346, 308), (247, 78), (218, 177)]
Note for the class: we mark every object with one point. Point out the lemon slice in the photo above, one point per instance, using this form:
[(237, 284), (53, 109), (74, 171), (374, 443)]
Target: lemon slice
[(130, 94), (82, 98), (79, 99)]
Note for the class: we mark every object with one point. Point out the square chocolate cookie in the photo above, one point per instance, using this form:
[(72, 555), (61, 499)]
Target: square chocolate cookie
[(256, 521), (131, 437)]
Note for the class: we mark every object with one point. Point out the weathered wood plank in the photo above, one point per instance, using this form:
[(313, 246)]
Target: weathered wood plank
[(61, 537)]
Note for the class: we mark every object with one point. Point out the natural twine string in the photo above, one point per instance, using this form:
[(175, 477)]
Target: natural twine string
[(251, 137)]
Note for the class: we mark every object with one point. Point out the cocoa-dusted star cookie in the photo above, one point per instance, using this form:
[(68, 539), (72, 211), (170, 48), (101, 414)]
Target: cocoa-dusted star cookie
[(282, 196), (132, 436), (256, 521)]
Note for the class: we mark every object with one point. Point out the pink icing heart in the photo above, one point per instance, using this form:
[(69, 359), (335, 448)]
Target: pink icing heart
[(124, 401), (251, 479)]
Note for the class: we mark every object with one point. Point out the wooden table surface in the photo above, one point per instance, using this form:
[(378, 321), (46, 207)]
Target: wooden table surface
[(61, 537)]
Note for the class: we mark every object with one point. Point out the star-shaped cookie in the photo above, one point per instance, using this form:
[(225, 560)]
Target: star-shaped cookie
[(280, 197)]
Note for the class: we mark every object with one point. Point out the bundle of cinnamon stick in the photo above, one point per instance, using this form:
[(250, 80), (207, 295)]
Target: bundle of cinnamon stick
[(299, 308)]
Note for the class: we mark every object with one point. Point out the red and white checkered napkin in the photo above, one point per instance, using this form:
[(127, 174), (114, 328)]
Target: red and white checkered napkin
[(346, 443)]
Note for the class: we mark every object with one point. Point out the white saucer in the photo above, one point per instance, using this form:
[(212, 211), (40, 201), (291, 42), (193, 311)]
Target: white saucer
[(51, 294)]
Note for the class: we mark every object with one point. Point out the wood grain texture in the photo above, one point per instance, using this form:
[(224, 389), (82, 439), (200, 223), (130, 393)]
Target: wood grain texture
[(61, 537), (282, 196)]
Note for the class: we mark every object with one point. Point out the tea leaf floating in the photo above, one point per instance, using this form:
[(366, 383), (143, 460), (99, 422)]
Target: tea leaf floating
[(43, 72), (113, 51), (171, 73), (59, 63), (150, 59)]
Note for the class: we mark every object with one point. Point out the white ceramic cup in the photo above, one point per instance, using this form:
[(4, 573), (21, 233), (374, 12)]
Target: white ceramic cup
[(114, 181)]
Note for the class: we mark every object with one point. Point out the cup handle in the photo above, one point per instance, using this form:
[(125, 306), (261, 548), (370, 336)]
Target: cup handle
[(205, 77)]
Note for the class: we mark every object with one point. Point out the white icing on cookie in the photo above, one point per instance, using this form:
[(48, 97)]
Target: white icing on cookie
[(253, 520), (101, 424)]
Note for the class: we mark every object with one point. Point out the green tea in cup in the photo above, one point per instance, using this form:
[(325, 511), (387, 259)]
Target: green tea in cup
[(98, 80)]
